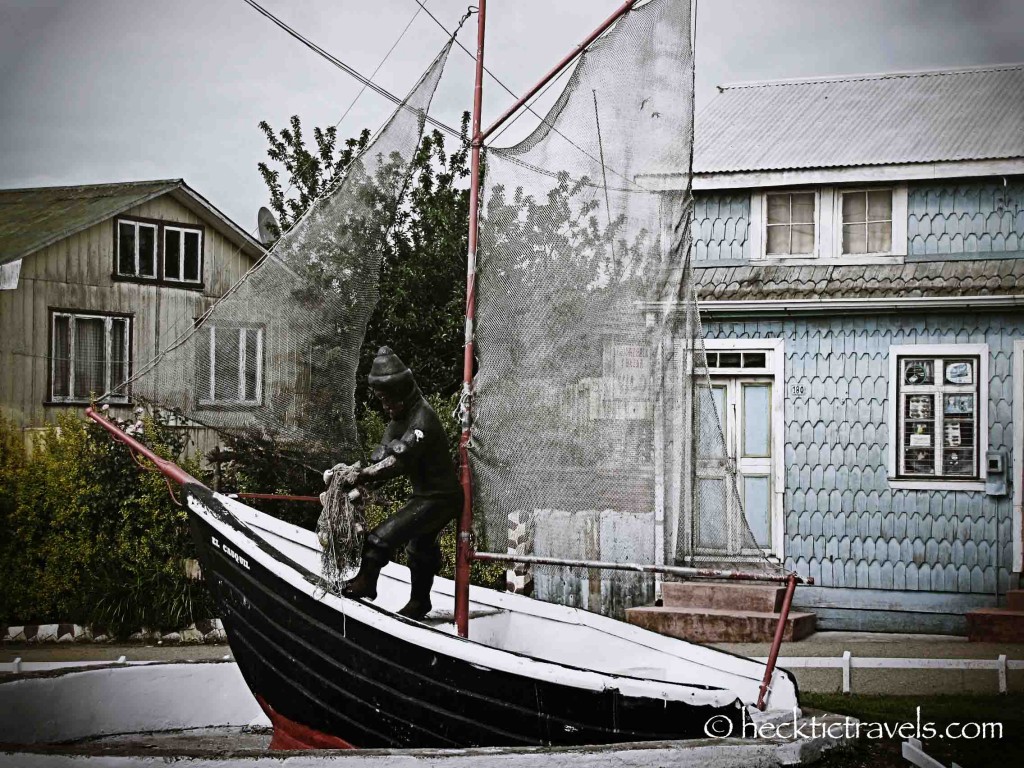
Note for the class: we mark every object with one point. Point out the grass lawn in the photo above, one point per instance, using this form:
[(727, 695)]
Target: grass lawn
[(991, 751)]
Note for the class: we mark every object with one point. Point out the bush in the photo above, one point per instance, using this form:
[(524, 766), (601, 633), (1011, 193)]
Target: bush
[(91, 538)]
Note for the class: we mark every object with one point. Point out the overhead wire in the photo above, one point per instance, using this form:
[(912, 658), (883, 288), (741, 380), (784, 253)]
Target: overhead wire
[(351, 71), (186, 333), (528, 107)]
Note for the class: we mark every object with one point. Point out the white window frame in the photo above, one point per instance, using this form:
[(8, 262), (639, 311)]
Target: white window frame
[(775, 350), (892, 416), (108, 340), (1017, 467), (828, 226), (180, 277), (210, 398), (759, 225), (137, 274), (899, 224)]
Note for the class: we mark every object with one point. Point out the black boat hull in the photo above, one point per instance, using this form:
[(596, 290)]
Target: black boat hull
[(328, 679)]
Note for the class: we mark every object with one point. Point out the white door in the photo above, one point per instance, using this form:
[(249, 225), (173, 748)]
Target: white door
[(744, 406)]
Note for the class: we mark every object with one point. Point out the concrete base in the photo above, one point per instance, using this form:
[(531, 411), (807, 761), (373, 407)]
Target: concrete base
[(713, 625), (201, 714)]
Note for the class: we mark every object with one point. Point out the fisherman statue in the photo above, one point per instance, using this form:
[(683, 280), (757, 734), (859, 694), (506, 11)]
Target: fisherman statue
[(414, 445)]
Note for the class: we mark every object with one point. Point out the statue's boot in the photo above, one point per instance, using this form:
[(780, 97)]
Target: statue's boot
[(424, 563), (376, 555)]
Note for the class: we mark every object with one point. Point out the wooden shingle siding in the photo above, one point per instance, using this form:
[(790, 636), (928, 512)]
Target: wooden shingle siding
[(966, 217), (76, 274), (845, 526)]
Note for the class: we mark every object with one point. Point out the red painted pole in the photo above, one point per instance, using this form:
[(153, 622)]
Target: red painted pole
[(168, 469), (780, 630), (553, 73), (464, 552)]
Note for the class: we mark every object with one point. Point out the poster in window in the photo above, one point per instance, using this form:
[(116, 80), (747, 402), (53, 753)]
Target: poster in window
[(959, 372), (919, 407), (953, 436), (918, 372), (959, 405)]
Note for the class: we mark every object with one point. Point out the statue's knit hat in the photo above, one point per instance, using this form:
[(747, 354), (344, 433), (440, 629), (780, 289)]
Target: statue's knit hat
[(389, 372)]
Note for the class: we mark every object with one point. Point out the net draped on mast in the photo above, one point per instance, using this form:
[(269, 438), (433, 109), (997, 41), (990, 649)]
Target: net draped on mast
[(276, 357), (595, 433)]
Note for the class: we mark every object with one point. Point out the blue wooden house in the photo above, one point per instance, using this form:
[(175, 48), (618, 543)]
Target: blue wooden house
[(859, 249)]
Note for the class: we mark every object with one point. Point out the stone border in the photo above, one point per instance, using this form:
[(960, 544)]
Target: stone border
[(204, 631)]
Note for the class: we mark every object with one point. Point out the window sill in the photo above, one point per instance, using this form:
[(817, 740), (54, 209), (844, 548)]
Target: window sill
[(905, 484), (157, 282), (831, 261), (86, 402)]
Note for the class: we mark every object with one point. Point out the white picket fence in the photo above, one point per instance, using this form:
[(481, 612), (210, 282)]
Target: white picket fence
[(848, 662)]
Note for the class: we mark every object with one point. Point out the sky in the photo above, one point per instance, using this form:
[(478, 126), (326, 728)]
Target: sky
[(114, 90)]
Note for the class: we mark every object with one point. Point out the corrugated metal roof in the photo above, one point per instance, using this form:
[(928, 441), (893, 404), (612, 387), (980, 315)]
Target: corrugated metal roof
[(33, 218), (968, 114), (758, 282)]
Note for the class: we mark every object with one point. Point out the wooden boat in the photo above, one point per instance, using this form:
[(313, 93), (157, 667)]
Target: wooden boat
[(331, 672)]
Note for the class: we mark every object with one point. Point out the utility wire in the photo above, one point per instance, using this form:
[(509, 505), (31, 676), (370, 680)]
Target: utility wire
[(367, 82), (526, 107)]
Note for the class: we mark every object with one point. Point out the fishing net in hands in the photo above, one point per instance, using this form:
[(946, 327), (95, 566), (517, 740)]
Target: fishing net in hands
[(342, 524), (596, 435)]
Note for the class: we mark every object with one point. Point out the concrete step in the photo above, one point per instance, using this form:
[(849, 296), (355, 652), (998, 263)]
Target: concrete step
[(729, 596), (995, 625), (1015, 600), (715, 625)]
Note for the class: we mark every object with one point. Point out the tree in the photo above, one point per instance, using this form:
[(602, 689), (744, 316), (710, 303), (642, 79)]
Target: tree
[(422, 275)]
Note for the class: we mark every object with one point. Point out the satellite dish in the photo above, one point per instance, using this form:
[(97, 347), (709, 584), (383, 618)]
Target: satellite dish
[(269, 229)]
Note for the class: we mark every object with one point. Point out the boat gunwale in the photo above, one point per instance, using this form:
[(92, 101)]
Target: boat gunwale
[(439, 641)]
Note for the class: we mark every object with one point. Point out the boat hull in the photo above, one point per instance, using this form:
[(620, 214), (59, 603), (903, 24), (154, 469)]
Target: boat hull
[(329, 679)]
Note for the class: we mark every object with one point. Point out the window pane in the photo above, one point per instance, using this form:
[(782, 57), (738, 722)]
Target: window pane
[(125, 248), (729, 360), (778, 240), (756, 419), (147, 251), (803, 238), (778, 209), (803, 208), (853, 207), (226, 361), (880, 237), (252, 355), (710, 422), (754, 360), (880, 205), (61, 356), (918, 372), (90, 357), (192, 256), (958, 435), (118, 358), (854, 240), (756, 508), (711, 513), (172, 254), (919, 434)]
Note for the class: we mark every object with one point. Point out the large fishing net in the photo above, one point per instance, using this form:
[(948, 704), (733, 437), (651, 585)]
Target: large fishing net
[(596, 435), (275, 359)]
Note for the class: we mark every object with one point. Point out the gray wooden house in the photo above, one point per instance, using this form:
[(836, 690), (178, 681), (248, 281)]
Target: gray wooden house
[(96, 279), (859, 244)]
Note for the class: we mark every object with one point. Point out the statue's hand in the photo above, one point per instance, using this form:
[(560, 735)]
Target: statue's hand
[(348, 474)]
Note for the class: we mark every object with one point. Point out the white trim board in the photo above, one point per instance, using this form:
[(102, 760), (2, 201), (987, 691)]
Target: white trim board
[(1017, 464), (937, 350), (860, 305), (901, 172)]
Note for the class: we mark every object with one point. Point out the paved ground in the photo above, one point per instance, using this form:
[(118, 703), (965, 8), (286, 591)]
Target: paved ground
[(860, 644), (894, 681), (103, 652)]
